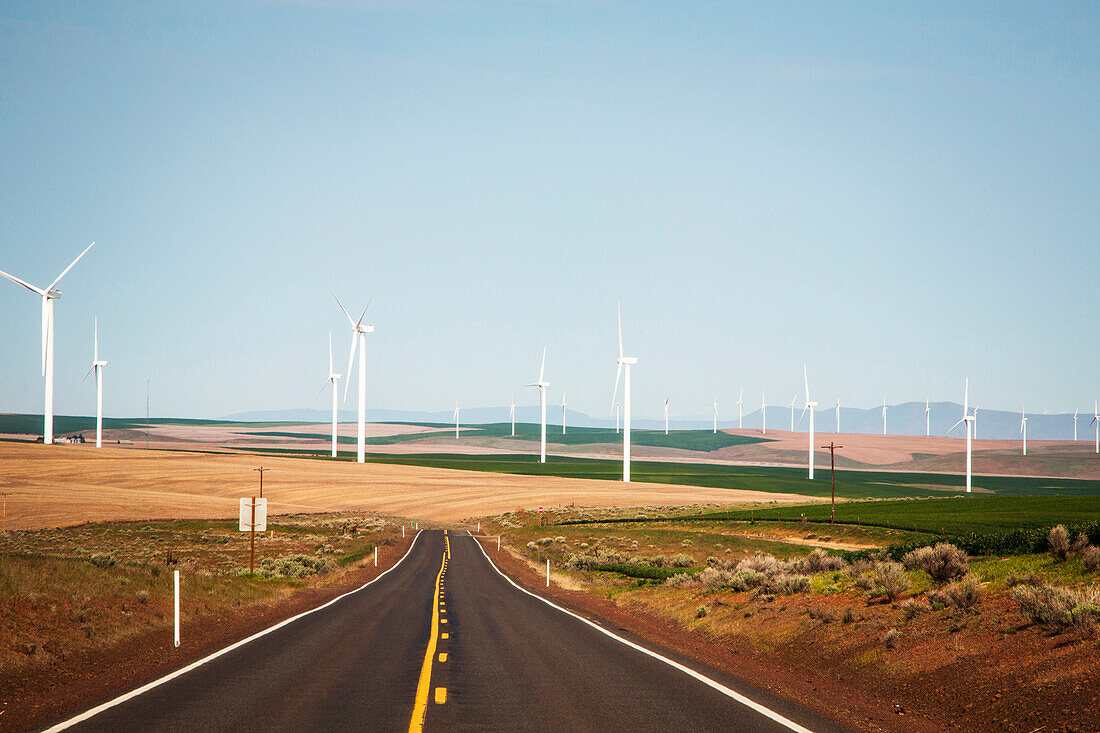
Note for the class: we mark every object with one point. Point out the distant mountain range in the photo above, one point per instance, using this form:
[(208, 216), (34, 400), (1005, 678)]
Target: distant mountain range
[(904, 419)]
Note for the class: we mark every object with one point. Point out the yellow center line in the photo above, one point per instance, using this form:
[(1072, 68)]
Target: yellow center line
[(423, 687)]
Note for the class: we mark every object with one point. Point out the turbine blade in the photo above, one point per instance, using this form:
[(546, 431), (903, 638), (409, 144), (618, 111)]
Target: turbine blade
[(24, 283), (351, 360), (352, 322), (363, 314), (96, 352), (615, 393), (620, 307), (66, 270), (542, 367), (960, 422), (90, 370), (805, 381), (330, 352), (966, 396)]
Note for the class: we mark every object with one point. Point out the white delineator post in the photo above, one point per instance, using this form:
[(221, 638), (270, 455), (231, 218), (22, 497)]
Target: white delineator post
[(402, 531), (376, 556), (498, 543), (547, 572), (177, 579)]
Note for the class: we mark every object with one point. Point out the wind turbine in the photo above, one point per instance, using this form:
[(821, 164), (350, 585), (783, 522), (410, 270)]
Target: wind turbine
[(975, 422), (927, 418), (1075, 426), (97, 367), (358, 332), (456, 420), (624, 361), (739, 408), (1096, 422), (563, 412), (764, 413), (793, 400), (838, 416), (512, 415), (666, 416), (969, 420), (884, 414), (49, 295), (809, 406), (618, 408), (542, 384), (333, 379), (714, 408), (1023, 428)]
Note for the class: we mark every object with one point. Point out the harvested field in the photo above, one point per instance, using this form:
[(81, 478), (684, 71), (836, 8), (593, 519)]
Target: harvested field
[(63, 485)]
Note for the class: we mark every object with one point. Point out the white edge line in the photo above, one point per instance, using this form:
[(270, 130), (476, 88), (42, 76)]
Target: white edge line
[(767, 712), (184, 670)]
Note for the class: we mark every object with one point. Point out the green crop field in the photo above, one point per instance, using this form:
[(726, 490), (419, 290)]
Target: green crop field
[(12, 423), (696, 440), (955, 515)]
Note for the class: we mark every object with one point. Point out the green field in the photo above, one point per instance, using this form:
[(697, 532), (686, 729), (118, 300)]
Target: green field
[(696, 440), (953, 516), (12, 423)]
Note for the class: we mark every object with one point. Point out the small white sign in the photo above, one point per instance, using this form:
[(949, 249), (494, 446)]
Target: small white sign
[(261, 515)]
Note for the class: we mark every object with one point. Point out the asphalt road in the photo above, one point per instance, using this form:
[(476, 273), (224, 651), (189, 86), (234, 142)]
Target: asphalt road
[(504, 660)]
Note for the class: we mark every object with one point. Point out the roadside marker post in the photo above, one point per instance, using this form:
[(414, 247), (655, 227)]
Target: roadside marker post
[(479, 527), (177, 579), (376, 556), (547, 572), (402, 531), (498, 543)]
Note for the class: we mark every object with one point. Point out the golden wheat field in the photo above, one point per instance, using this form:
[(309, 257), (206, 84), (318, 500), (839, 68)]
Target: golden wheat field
[(62, 485)]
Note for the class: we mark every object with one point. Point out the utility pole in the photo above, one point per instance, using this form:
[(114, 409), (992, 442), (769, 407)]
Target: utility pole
[(832, 470), (261, 469)]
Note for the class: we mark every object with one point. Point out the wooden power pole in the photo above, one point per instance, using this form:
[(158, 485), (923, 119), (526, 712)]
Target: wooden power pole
[(261, 469), (832, 470)]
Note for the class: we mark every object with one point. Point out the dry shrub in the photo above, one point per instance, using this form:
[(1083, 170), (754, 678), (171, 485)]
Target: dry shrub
[(1058, 539), (759, 562), (682, 580), (1079, 544), (1014, 580), (820, 561), (943, 562), (912, 607), (788, 585), (1063, 608), (965, 593), (681, 561), (1090, 558), (890, 579), (890, 638)]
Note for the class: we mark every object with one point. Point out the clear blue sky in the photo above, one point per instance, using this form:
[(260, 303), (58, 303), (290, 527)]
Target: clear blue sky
[(901, 195)]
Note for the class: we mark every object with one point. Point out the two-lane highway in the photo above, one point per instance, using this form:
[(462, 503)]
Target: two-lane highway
[(443, 640)]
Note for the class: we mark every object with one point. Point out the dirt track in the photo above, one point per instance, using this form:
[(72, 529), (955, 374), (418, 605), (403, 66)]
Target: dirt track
[(62, 485)]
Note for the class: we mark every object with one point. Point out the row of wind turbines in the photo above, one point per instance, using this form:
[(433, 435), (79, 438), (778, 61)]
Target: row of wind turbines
[(51, 294)]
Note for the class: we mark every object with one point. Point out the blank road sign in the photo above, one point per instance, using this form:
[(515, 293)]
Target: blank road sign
[(261, 515)]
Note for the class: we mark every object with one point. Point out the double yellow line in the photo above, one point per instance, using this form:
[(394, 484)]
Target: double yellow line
[(420, 709)]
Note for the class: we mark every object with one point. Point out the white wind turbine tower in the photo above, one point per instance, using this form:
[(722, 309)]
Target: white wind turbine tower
[(838, 416), (714, 408), (358, 333), (1075, 426), (666, 415), (884, 414), (793, 400), (739, 400), (542, 384), (624, 361), (969, 420), (764, 413), (49, 295), (333, 379), (512, 415), (1096, 422), (97, 367), (456, 420), (809, 406), (927, 418), (563, 412), (1023, 428)]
